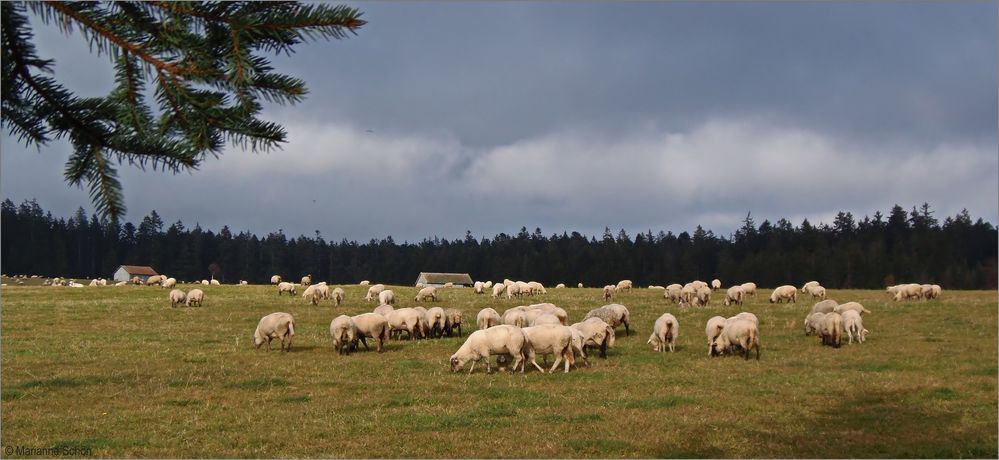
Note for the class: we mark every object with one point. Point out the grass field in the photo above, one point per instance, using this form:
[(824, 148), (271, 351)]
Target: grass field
[(117, 370)]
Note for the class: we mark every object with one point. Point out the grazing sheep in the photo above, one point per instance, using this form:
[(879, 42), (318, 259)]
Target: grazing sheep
[(286, 287), (477, 287), (275, 325), (407, 319), (704, 295), (609, 292), (715, 284), (313, 294), (673, 293), (386, 297), (745, 316), (452, 320), (664, 333), (813, 322), (487, 318), (177, 296), (215, 282), (804, 288), (371, 325), (831, 329), (275, 279), (552, 309), (545, 318), (786, 293), (613, 314), (498, 289), (712, 329), (344, 334), (307, 280), (373, 292), (853, 324), (155, 279), (656, 286), (936, 290), (825, 306), (205, 283), (908, 291), (560, 286), (596, 333), (384, 310), (243, 282), (364, 283), (579, 285), (448, 285), (168, 283), (435, 321), (578, 347), (734, 295), (196, 296), (487, 285), (513, 290), (515, 317), (739, 333), (426, 293), (623, 285), (497, 340), (337, 295), (687, 293), (851, 306), (816, 291), (749, 289), (552, 339)]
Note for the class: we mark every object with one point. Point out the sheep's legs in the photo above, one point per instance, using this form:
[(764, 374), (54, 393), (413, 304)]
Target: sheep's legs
[(558, 359)]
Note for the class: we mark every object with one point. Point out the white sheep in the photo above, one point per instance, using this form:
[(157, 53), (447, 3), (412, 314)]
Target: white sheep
[(813, 322), (371, 325), (715, 284), (552, 309), (285, 286), (498, 289), (831, 329), (435, 320), (579, 285), (673, 293), (426, 293), (785, 293), (825, 306), (623, 285), (545, 318), (596, 333), (487, 318), (687, 293), (740, 333), (452, 320), (410, 320), (177, 296), (275, 325), (344, 334), (712, 329), (386, 297), (215, 282), (853, 324), (168, 283), (384, 310), (448, 285), (515, 317), (749, 289), (337, 294), (275, 279), (560, 286), (155, 279), (195, 296), (364, 283), (936, 290), (477, 287), (851, 306), (804, 288), (513, 290), (609, 292), (307, 280), (487, 285), (613, 314), (313, 294), (205, 283), (734, 295), (664, 333), (244, 283), (816, 291), (497, 340), (552, 339), (373, 292), (704, 295)]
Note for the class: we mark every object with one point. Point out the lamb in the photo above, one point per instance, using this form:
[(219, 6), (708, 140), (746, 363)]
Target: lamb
[(426, 293), (816, 291), (515, 317), (497, 340), (452, 320), (386, 297), (373, 292), (831, 329), (623, 285), (177, 296), (554, 339), (275, 279), (712, 329), (337, 295), (409, 320), (715, 284), (344, 334), (804, 288), (384, 310), (307, 280), (609, 292), (664, 333), (851, 306), (286, 287), (734, 295), (155, 279), (215, 282), (371, 325), (749, 289), (195, 297), (545, 318), (825, 306), (738, 333), (613, 314), (813, 322), (786, 293), (275, 325), (168, 283), (435, 321), (487, 318), (498, 289), (560, 286)]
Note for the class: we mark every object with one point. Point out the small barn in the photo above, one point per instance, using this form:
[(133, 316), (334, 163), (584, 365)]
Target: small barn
[(440, 279), (127, 272)]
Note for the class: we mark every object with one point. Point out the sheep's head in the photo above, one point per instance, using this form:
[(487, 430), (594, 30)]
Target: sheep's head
[(456, 363), (258, 339)]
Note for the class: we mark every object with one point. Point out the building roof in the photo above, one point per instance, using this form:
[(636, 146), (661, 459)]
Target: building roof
[(139, 270), (442, 278)]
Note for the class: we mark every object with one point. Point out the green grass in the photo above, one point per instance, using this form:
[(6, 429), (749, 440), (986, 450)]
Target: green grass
[(117, 370)]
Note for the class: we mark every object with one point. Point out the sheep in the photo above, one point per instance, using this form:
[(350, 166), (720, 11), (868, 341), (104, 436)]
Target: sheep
[(609, 292), (804, 288), (373, 292), (307, 280), (386, 297), (704, 295), (749, 289), (273, 326), (498, 289), (477, 287), (656, 286), (243, 282), (579, 285), (177, 296), (452, 320), (384, 310), (513, 290), (831, 329), (734, 295), (215, 282), (205, 283), (712, 329), (786, 293), (155, 279), (825, 306), (286, 287), (487, 285), (364, 283), (497, 340), (907, 291), (407, 319), (851, 306), (816, 291), (435, 321), (687, 292), (664, 333), (313, 294), (745, 316), (545, 318), (673, 293), (275, 279), (813, 322), (577, 345), (926, 290), (853, 324), (337, 295), (623, 285), (715, 284), (195, 296), (560, 286), (426, 293), (487, 318), (612, 314), (554, 339), (936, 290), (371, 325), (168, 283), (697, 284), (344, 334), (738, 333), (559, 313), (121, 283), (515, 317)]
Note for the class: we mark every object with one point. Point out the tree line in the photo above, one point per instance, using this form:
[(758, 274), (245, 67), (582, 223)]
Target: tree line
[(870, 253)]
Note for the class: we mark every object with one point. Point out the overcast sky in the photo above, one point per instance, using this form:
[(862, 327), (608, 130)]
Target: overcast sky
[(574, 117)]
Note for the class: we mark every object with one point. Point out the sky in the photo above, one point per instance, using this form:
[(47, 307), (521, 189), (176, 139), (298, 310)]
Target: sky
[(442, 118)]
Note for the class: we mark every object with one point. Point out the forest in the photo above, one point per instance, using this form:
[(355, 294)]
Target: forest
[(869, 253)]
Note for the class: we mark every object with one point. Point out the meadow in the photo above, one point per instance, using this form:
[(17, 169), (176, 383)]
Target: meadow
[(116, 370)]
